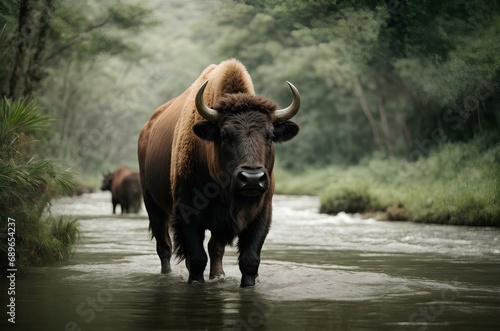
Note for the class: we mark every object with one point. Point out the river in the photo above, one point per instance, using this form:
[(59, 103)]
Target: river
[(318, 272)]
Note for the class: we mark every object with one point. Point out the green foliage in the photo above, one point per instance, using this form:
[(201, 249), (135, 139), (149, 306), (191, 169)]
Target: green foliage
[(66, 232), (375, 75), (74, 61), (351, 196), (87, 30), (43, 242), (456, 184), (27, 184)]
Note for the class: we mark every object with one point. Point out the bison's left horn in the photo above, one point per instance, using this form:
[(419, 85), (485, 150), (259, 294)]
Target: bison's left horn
[(284, 114), (206, 112)]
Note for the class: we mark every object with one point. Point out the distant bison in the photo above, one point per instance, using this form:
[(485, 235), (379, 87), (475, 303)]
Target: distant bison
[(125, 187), (206, 161)]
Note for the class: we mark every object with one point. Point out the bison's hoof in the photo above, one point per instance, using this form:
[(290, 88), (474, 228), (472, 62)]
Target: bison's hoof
[(193, 279), (165, 266), (196, 283), (247, 280), (220, 275)]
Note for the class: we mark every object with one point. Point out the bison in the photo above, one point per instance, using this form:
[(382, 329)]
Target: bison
[(125, 187), (206, 161)]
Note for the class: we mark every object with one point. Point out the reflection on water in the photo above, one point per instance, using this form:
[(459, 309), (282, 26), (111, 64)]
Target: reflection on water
[(318, 272)]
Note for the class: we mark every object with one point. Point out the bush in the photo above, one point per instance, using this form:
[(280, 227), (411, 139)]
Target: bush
[(351, 196), (27, 185)]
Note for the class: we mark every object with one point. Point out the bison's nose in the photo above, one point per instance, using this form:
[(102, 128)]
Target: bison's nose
[(251, 181)]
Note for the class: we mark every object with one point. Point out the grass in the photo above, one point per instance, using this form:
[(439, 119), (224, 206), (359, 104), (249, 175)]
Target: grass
[(45, 241), (27, 185), (455, 184)]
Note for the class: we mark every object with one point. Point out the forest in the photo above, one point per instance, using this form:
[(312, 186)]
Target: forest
[(400, 98)]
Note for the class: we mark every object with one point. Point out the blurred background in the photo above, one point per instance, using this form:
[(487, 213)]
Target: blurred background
[(400, 97)]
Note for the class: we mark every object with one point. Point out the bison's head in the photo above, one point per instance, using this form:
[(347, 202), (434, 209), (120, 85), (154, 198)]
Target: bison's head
[(107, 180), (243, 129)]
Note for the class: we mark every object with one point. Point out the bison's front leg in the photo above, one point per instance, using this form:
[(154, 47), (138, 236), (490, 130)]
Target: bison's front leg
[(250, 244), (188, 237), (216, 249), (196, 258)]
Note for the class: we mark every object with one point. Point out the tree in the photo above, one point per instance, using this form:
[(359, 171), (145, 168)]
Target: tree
[(50, 30), (376, 76), (56, 51)]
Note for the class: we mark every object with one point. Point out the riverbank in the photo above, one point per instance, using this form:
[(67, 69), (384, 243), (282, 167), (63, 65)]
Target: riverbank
[(455, 184)]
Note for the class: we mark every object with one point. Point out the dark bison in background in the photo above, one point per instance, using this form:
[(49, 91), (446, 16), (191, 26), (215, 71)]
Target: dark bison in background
[(206, 161), (125, 187)]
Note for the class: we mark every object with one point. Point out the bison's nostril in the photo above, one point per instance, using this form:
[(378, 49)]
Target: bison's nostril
[(241, 177)]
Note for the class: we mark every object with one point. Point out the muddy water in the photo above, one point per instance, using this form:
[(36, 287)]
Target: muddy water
[(318, 272)]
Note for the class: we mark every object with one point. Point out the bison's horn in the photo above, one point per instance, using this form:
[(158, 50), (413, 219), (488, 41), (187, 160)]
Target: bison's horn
[(284, 114), (206, 112)]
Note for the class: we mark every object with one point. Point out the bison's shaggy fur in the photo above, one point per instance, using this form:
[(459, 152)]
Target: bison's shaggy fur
[(192, 169)]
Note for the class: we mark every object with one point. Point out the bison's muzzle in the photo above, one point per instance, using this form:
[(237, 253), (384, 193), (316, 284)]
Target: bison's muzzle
[(251, 181)]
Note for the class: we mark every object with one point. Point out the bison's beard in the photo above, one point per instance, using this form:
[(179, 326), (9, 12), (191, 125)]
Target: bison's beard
[(243, 209)]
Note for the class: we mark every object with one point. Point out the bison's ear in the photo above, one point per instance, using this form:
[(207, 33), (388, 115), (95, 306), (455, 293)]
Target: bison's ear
[(284, 131), (205, 130)]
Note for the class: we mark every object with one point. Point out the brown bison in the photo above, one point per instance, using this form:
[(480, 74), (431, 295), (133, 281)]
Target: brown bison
[(125, 187), (206, 161)]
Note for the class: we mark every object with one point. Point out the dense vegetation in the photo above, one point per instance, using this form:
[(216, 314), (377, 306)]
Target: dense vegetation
[(27, 185), (400, 97), (458, 183), (377, 77)]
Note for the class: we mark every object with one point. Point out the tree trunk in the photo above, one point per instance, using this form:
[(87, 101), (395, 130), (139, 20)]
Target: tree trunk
[(366, 110), (385, 125), (34, 72), (349, 136), (17, 80), (401, 123)]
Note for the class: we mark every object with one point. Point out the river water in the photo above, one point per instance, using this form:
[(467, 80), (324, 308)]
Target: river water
[(318, 272)]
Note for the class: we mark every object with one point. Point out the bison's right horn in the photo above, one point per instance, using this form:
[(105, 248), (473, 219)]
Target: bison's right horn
[(284, 114), (206, 112)]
